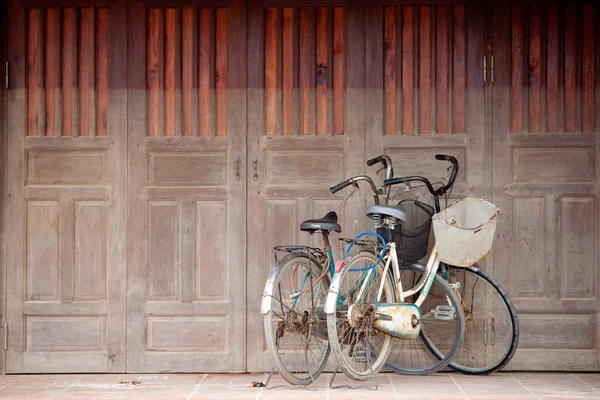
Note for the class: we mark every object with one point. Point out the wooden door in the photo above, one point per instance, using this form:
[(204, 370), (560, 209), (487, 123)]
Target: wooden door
[(546, 179), (426, 95), (67, 136), (305, 132), (187, 188)]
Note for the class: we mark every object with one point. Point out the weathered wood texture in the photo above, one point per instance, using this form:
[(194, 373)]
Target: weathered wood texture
[(552, 68)]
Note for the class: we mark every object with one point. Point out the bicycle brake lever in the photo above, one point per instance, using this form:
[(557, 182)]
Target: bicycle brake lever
[(380, 169), (350, 195)]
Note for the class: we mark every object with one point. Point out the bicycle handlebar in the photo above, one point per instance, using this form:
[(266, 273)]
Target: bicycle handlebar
[(387, 164), (435, 192), (354, 181)]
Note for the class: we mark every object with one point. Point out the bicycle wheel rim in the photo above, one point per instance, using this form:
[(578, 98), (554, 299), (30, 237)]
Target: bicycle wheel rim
[(491, 324), (360, 351), (439, 331), (296, 328)]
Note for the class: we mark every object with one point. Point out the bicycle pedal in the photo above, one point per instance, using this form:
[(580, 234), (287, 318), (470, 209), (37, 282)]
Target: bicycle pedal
[(444, 313)]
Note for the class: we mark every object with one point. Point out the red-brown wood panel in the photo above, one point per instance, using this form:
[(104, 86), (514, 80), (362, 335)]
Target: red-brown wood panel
[(390, 69), (322, 71), (459, 69), (408, 62), (67, 71), (570, 63), (33, 70), (424, 69), (517, 69), (50, 69), (102, 72), (552, 73), (339, 69), (442, 68), (305, 61), (271, 109), (535, 68), (588, 74), (287, 74)]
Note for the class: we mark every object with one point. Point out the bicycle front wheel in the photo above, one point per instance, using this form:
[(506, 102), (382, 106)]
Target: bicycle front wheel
[(442, 328), (359, 348), (296, 325), (492, 328)]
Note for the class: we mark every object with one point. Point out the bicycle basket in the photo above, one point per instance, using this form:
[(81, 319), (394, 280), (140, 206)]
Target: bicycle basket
[(412, 236), (464, 231)]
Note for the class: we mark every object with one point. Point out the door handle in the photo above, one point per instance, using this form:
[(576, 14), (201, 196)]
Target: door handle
[(255, 168)]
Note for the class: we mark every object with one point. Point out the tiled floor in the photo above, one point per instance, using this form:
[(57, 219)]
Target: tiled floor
[(440, 386)]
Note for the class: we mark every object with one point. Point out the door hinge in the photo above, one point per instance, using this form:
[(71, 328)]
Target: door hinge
[(6, 81), (485, 69)]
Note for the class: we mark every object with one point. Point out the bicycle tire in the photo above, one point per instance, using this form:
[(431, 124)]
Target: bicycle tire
[(350, 345), (491, 322), (293, 325), (443, 332)]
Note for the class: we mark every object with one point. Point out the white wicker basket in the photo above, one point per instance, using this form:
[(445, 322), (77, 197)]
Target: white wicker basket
[(464, 231)]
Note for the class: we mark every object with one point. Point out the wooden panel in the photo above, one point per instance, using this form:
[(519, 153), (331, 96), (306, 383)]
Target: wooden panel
[(588, 77), (535, 68), (557, 331), (570, 83), (170, 77), (322, 69), (221, 71), (86, 69), (164, 240), (67, 72), (211, 250), (339, 69), (101, 72), (204, 73), (516, 69), (42, 251), (188, 334), (152, 71), (187, 71), (441, 68), (90, 250), (529, 236), (34, 42), (271, 23), (306, 78), (553, 165), (281, 216), (552, 74), (47, 167), (187, 169), (578, 232), (51, 69), (290, 167), (287, 70), (459, 70), (390, 69), (408, 60), (65, 333), (424, 68)]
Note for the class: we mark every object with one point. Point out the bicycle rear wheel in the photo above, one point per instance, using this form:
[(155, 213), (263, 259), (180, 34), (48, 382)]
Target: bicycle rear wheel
[(492, 328), (359, 348), (442, 328), (296, 326)]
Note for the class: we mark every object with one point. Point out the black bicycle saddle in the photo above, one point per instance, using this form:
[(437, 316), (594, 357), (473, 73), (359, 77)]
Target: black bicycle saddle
[(327, 223)]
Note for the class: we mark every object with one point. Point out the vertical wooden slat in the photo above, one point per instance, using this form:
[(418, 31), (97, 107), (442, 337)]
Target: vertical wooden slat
[(424, 68), (304, 68), (153, 73), (187, 70), (204, 61), (389, 69), (170, 65), (516, 70), (67, 72), (535, 32), (287, 73), (588, 77), (221, 50), (570, 100), (33, 66), (50, 68), (408, 57), (322, 74), (271, 71), (101, 71), (459, 71), (552, 70), (441, 69), (86, 54), (339, 69)]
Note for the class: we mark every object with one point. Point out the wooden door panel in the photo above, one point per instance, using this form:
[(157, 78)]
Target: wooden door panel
[(187, 189), (66, 307), (545, 178)]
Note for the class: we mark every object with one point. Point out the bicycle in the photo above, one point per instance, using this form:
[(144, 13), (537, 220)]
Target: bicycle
[(292, 304), (492, 329), (369, 311)]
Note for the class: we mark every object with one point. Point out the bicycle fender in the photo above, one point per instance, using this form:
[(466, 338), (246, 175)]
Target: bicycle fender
[(265, 305), (332, 295)]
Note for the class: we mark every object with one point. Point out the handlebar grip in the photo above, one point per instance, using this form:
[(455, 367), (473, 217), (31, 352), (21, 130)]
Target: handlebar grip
[(340, 186), (375, 160)]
